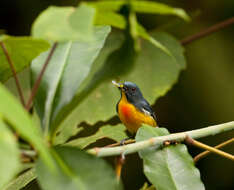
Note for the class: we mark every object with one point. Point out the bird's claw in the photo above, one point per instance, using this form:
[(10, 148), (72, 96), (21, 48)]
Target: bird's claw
[(122, 142)]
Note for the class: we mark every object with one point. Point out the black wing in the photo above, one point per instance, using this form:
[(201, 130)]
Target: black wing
[(145, 107)]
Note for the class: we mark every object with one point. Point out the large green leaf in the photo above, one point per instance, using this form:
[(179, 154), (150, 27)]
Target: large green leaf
[(116, 133), (10, 157), (82, 20), (21, 181), (170, 167), (140, 6), (12, 111), (154, 71), (69, 66), (65, 23), (76, 170), (106, 68), (22, 50)]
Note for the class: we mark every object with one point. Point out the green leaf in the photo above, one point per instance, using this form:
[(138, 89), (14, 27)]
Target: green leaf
[(108, 5), (106, 68), (110, 18), (158, 8), (72, 62), (147, 187), (22, 50), (76, 170), (153, 71), (82, 20), (65, 23), (145, 35), (141, 6), (134, 30), (12, 111), (22, 180), (10, 157), (116, 133), (170, 167)]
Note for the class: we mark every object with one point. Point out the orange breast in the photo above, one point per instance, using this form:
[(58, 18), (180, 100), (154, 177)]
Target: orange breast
[(132, 117)]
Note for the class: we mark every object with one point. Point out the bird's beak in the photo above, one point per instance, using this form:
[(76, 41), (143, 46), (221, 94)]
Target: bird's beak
[(119, 85)]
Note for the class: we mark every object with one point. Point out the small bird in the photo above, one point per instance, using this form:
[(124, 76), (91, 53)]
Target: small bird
[(132, 108)]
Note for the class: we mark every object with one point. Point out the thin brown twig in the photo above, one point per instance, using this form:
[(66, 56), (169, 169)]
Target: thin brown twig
[(119, 143), (38, 80), (206, 147), (208, 31), (14, 73), (205, 153)]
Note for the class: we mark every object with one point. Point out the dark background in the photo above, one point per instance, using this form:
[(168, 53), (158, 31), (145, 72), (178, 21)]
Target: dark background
[(204, 94)]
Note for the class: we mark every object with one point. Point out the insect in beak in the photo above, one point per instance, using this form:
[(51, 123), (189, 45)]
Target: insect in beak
[(119, 85)]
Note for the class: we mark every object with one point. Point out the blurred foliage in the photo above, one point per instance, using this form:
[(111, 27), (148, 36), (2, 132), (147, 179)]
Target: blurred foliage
[(9, 160), (73, 172), (203, 95)]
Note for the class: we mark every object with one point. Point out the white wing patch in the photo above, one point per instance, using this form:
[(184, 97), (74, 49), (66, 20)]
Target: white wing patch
[(146, 112)]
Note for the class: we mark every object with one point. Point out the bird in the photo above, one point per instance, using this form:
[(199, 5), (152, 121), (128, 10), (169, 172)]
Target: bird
[(132, 108)]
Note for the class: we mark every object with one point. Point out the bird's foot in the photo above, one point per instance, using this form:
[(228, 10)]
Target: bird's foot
[(122, 142)]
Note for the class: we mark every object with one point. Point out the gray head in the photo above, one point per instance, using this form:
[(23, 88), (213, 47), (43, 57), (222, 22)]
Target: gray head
[(131, 90)]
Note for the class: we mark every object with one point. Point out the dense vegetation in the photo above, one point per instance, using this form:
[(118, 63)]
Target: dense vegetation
[(72, 56)]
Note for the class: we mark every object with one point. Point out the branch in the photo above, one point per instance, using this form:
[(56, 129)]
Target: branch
[(205, 153), (208, 31), (206, 147), (14, 73), (157, 141), (37, 83)]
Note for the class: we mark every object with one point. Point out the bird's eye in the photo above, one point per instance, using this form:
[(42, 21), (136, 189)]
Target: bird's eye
[(125, 88), (133, 89)]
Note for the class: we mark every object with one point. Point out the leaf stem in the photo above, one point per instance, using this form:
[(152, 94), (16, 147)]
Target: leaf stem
[(14, 73), (119, 165), (208, 31), (37, 83), (158, 141), (207, 152)]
